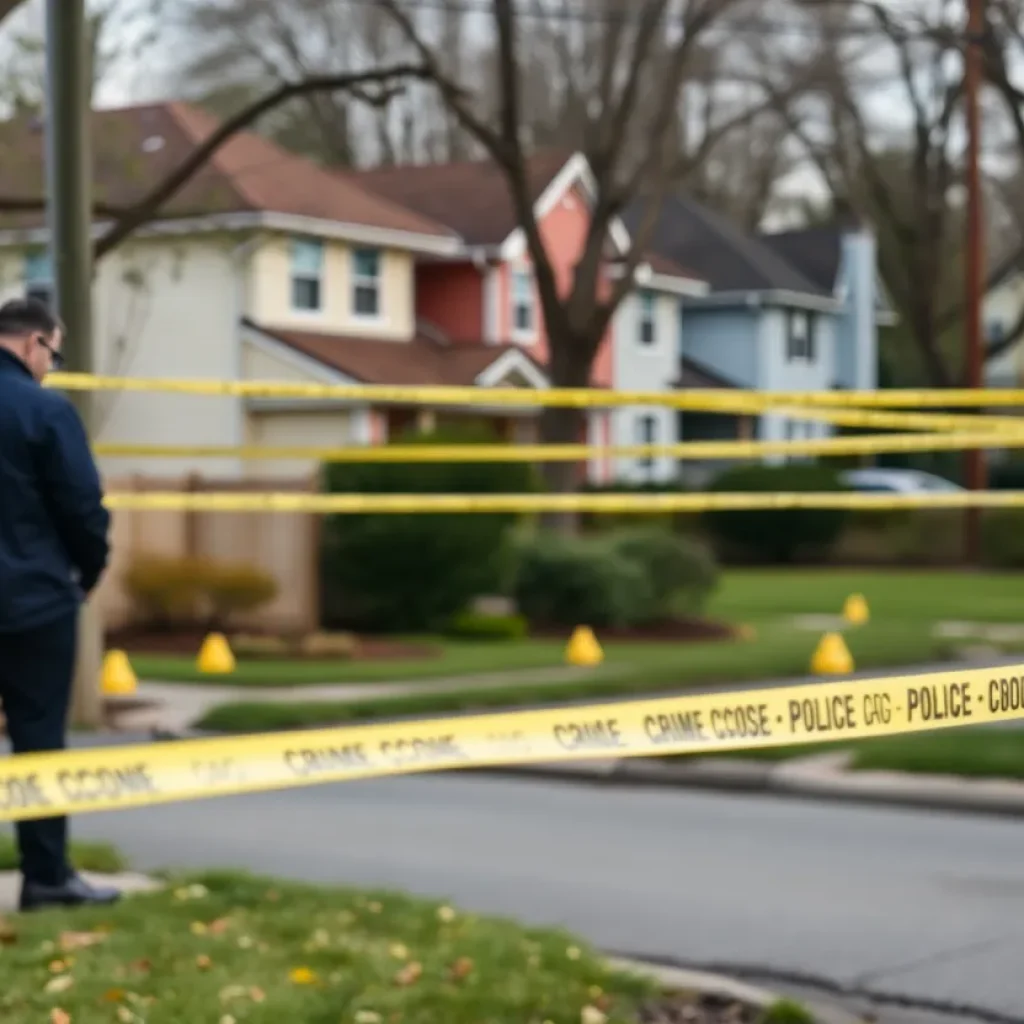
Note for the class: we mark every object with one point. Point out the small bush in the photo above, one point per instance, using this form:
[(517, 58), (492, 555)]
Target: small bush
[(565, 581), (173, 592), (248, 647), (682, 573), (1007, 475), (330, 645), (475, 626), (776, 535), (1002, 538), (411, 573), (167, 591), (235, 588), (922, 537)]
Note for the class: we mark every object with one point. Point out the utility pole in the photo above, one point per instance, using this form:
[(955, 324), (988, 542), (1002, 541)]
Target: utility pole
[(69, 216), (974, 283)]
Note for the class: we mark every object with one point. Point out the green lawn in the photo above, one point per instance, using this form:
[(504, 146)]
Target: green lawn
[(229, 947), (892, 595), (777, 653), (977, 753)]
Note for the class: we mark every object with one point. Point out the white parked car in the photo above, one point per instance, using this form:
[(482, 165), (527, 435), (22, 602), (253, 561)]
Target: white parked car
[(896, 481)]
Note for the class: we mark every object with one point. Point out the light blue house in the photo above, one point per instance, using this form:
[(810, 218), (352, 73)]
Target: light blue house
[(796, 311)]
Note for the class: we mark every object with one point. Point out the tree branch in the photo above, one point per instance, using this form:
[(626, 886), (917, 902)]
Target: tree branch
[(146, 208)]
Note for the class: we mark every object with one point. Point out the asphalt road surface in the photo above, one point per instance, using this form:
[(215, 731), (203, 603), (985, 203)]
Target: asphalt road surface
[(907, 903)]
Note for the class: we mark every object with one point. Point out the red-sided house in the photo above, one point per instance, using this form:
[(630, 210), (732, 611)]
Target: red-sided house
[(486, 295)]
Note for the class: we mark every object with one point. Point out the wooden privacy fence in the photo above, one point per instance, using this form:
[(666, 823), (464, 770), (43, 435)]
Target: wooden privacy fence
[(282, 544)]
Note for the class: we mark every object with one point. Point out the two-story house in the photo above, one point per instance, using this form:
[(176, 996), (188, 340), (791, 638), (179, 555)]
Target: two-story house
[(264, 266), (486, 293), (794, 311)]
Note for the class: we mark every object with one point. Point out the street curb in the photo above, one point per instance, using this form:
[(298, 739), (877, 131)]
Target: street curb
[(887, 789), (680, 979)]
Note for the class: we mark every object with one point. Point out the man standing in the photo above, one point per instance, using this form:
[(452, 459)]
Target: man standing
[(53, 549)]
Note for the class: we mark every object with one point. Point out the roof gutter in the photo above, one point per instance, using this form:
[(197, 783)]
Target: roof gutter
[(757, 299)]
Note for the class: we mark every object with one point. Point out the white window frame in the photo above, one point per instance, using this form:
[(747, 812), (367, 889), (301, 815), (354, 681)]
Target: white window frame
[(647, 320), (297, 274), (369, 283), (522, 296), (646, 426), (38, 277)]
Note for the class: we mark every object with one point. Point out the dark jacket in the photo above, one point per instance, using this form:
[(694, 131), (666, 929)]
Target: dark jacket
[(53, 524)]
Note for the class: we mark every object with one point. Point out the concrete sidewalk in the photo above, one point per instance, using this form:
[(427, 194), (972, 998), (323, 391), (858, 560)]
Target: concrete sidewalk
[(175, 707)]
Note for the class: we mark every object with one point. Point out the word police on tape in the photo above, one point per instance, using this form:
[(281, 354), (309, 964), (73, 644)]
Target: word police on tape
[(99, 779)]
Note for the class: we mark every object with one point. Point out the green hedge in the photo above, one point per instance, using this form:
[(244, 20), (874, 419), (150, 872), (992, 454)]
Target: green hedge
[(414, 572), (781, 535)]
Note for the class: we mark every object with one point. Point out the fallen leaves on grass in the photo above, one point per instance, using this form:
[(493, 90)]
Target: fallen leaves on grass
[(59, 984), (70, 941), (59, 1016), (592, 1015), (461, 969), (8, 935), (409, 974), (445, 914), (302, 976)]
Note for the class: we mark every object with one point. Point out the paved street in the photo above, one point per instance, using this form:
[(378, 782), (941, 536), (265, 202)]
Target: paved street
[(905, 902)]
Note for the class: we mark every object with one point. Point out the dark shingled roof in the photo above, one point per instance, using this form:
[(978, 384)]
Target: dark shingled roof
[(471, 197), (815, 252), (719, 252)]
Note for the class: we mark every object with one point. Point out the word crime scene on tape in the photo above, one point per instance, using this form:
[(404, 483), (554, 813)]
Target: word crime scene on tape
[(111, 778)]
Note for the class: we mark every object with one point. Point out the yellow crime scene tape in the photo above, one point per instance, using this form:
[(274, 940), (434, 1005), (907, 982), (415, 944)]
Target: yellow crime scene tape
[(366, 504), (696, 399), (115, 778), (697, 450), (795, 405)]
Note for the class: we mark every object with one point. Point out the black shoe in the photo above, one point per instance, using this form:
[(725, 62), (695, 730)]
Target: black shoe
[(75, 892)]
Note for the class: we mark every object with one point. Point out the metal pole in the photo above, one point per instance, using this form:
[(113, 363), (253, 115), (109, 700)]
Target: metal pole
[(974, 264), (69, 215)]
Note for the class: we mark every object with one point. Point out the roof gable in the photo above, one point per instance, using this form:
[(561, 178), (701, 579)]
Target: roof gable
[(815, 252)]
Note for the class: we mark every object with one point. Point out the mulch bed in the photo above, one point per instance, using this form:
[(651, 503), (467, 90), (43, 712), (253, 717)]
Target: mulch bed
[(688, 1008), (187, 642), (678, 630)]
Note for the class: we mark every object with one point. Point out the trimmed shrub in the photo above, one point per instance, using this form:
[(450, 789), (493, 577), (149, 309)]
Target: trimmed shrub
[(471, 625), (682, 573), (166, 591), (235, 588), (394, 572), (172, 592), (565, 581), (776, 535), (1002, 538)]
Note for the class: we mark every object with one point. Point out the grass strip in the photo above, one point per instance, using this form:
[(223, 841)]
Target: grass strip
[(227, 946)]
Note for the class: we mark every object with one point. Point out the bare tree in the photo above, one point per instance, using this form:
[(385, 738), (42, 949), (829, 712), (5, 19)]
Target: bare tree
[(628, 66), (903, 178), (374, 88)]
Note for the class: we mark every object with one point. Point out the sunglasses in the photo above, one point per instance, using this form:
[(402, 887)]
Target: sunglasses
[(56, 358)]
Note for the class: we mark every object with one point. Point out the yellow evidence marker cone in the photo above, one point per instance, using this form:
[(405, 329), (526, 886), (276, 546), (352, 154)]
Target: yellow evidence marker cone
[(117, 677), (583, 648), (832, 657), (855, 610), (215, 657)]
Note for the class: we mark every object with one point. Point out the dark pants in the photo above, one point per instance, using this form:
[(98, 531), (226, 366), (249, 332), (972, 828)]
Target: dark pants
[(36, 671)]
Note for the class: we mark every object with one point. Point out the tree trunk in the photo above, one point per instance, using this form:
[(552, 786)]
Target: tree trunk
[(570, 365)]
